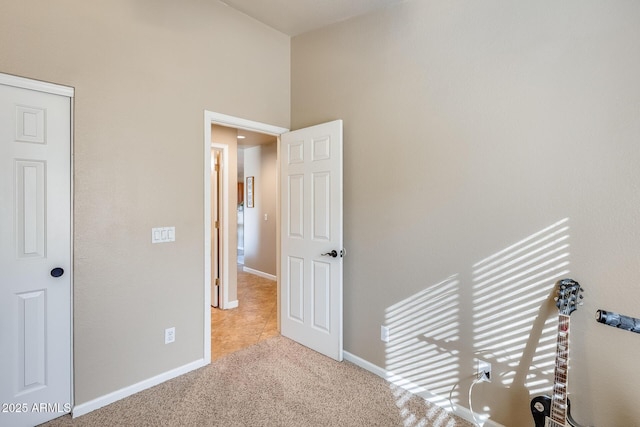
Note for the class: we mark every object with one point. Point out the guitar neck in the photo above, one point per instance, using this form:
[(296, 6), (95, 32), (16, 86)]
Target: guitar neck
[(554, 411), (559, 401)]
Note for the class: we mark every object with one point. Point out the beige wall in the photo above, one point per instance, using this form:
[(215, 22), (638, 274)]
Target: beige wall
[(469, 128), (260, 235), (144, 71), (487, 129)]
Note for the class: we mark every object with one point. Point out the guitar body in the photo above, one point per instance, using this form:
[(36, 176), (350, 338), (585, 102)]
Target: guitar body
[(541, 410)]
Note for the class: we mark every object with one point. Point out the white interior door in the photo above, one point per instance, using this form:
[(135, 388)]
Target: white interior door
[(35, 256), (215, 228), (311, 228)]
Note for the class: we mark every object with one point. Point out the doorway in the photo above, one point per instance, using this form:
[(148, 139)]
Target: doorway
[(255, 316), (311, 292), (228, 251), (257, 261)]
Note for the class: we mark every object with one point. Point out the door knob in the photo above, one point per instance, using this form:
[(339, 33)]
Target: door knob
[(333, 253), (57, 272)]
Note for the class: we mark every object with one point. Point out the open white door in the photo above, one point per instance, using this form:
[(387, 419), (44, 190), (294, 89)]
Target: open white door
[(215, 227), (35, 255), (311, 237)]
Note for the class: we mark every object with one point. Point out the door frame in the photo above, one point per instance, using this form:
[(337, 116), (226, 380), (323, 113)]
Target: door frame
[(69, 92), (213, 118)]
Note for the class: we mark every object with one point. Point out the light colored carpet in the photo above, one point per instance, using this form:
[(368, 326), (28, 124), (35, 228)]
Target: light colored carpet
[(276, 382)]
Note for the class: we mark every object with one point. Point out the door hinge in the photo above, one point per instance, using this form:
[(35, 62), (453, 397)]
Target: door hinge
[(217, 281), (216, 224)]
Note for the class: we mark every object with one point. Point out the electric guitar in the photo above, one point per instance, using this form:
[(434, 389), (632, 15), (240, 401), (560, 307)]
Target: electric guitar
[(554, 411)]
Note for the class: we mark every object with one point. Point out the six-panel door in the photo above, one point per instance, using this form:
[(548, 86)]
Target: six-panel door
[(35, 256), (311, 213)]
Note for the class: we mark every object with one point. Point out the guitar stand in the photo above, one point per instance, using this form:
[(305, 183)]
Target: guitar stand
[(618, 321)]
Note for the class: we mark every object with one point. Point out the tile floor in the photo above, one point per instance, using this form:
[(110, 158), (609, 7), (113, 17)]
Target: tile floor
[(254, 319)]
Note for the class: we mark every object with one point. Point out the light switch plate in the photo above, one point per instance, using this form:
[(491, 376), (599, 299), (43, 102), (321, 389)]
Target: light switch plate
[(163, 234)]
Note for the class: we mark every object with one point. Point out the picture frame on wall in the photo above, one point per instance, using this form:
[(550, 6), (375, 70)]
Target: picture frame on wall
[(250, 192)]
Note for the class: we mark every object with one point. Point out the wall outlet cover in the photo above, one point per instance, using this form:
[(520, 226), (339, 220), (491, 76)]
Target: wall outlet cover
[(384, 333), (169, 335)]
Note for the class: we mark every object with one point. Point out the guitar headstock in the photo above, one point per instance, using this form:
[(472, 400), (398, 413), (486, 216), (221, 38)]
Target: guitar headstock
[(569, 296)]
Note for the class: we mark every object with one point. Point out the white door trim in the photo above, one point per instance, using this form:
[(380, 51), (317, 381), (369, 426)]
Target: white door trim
[(40, 86), (69, 92), (210, 118)]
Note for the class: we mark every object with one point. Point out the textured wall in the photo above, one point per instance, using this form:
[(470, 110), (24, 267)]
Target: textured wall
[(260, 234), (491, 148), (144, 71)]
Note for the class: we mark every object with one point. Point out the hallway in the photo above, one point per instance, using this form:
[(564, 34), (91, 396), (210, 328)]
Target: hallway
[(254, 320)]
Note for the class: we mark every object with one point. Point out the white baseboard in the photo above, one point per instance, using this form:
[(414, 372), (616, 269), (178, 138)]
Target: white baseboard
[(458, 410), (259, 273), (107, 399), (230, 305)]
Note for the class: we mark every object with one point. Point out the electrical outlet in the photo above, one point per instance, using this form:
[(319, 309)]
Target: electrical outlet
[(384, 333), (484, 367), (169, 335)]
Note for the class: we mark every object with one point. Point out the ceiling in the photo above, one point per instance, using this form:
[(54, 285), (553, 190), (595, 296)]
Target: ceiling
[(251, 139), (294, 17)]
